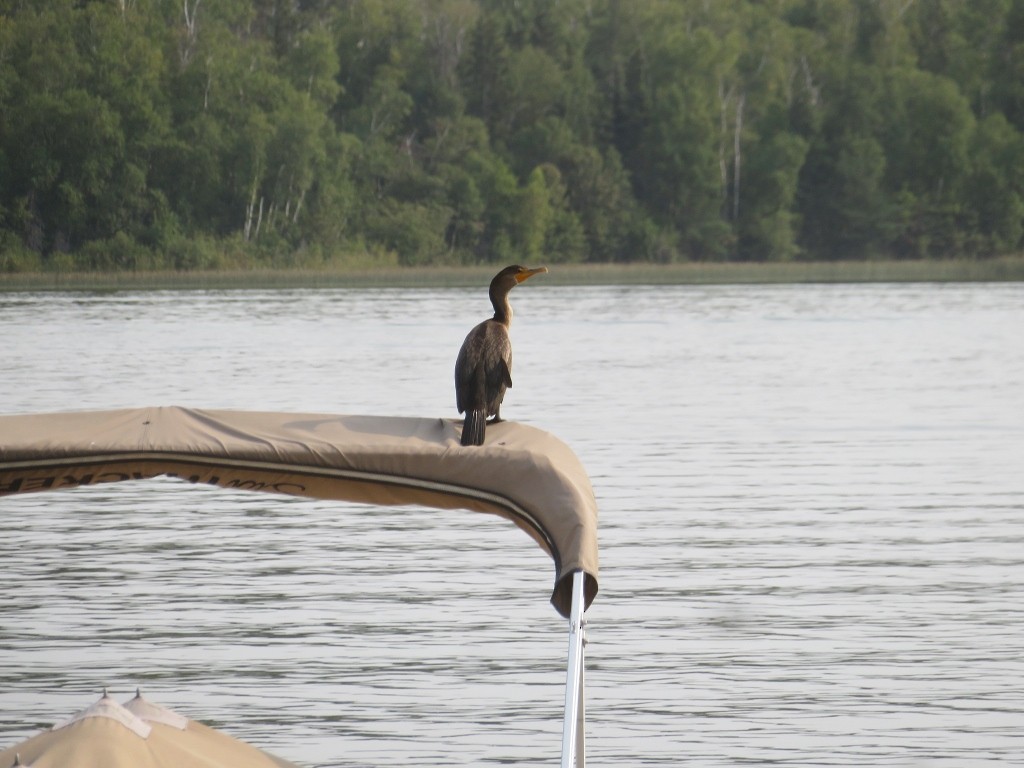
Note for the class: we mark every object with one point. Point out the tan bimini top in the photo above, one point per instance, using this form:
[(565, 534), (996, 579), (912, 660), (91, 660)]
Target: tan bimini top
[(521, 473), (137, 734)]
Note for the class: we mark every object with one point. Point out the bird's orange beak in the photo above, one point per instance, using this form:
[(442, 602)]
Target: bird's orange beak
[(526, 274)]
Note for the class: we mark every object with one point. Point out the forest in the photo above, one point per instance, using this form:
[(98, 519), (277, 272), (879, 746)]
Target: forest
[(209, 134)]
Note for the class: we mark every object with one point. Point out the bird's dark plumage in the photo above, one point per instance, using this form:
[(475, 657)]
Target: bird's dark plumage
[(483, 370)]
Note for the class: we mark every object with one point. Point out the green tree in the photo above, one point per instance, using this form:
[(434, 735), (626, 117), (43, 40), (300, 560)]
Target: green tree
[(768, 226), (1007, 89), (678, 168), (995, 187), (82, 111), (926, 139)]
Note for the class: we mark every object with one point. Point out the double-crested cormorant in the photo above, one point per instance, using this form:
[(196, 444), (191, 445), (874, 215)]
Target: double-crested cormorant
[(483, 370)]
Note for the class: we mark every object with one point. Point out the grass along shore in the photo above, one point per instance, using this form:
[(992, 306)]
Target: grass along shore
[(1003, 269)]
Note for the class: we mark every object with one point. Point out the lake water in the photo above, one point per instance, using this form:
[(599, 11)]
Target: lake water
[(812, 510)]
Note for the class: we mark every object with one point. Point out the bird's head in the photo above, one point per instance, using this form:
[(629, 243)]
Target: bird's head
[(515, 274)]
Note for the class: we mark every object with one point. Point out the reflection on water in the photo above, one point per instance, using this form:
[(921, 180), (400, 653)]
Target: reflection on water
[(811, 500)]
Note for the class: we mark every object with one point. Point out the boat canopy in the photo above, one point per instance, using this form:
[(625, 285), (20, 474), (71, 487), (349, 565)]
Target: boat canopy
[(521, 473), (136, 734)]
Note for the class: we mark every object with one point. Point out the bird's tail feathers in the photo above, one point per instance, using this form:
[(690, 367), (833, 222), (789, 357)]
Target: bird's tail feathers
[(474, 428)]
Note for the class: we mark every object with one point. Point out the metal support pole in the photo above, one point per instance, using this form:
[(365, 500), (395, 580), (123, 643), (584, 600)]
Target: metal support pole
[(573, 752)]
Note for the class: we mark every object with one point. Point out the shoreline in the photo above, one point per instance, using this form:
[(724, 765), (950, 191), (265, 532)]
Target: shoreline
[(1001, 269)]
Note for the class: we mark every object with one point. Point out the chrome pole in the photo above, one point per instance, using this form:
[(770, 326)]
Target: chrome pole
[(573, 753)]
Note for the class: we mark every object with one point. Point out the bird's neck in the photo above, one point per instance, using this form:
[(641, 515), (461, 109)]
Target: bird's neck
[(502, 308)]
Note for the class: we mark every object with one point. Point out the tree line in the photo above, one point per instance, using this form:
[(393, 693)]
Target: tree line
[(189, 134)]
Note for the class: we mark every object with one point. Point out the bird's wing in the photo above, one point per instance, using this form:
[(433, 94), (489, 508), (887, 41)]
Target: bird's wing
[(468, 367), (464, 383)]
